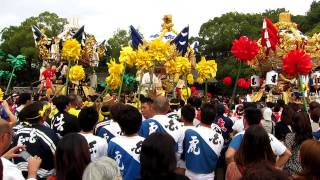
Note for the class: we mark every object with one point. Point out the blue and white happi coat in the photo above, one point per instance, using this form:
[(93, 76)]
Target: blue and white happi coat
[(126, 152), (161, 124), (108, 130), (201, 149)]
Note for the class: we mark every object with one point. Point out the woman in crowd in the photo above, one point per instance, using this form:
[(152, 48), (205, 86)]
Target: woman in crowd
[(157, 158), (255, 147), (310, 160), (301, 131), (71, 158), (283, 127)]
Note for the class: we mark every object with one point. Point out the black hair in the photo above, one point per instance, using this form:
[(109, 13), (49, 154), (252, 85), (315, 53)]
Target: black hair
[(257, 137), (105, 110), (313, 105), (301, 126), (141, 96), (270, 104), (208, 113), (115, 111), (249, 105), (61, 102), (129, 120), (263, 170), (174, 104), (277, 107), (157, 158), (182, 103), (315, 115), (88, 117), (72, 157), (252, 115), (281, 103), (23, 98), (220, 109), (146, 100), (188, 113), (30, 113), (194, 101)]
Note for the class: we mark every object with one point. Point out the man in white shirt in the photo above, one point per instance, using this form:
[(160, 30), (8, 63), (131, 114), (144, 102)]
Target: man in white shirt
[(98, 146)]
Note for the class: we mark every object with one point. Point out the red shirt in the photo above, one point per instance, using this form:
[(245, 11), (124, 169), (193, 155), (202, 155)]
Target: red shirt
[(48, 73)]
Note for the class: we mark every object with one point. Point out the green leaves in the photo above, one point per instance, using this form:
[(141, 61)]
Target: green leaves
[(5, 75), (16, 62), (129, 82)]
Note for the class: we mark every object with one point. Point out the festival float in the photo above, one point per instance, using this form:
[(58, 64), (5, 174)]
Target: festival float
[(164, 61), (69, 53), (288, 60)]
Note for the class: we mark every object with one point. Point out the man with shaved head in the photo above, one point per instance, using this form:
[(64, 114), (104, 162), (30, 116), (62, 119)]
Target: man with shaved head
[(10, 170)]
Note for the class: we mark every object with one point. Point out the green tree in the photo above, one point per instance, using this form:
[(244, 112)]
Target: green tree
[(19, 40), (273, 14), (119, 39), (312, 18), (217, 34)]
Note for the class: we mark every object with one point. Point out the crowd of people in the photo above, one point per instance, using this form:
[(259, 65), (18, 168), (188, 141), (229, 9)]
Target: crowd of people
[(69, 137)]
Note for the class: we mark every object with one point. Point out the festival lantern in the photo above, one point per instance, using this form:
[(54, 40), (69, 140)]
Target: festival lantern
[(272, 78), (316, 78), (255, 81)]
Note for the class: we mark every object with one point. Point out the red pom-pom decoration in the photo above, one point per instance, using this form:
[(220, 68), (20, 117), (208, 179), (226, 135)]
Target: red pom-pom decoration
[(196, 93), (242, 82), (244, 49), (248, 84), (193, 89), (296, 62), (227, 81)]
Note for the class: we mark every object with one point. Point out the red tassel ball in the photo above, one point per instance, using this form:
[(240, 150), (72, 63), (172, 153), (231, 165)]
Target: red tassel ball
[(244, 49), (227, 81), (296, 62)]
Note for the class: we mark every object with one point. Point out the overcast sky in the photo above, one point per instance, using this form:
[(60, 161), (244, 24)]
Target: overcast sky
[(103, 17)]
